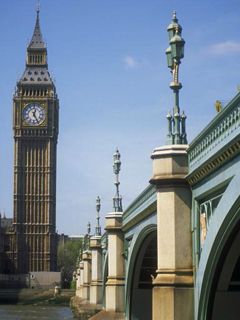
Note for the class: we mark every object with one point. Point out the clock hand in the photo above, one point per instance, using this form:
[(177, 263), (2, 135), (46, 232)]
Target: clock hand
[(34, 115)]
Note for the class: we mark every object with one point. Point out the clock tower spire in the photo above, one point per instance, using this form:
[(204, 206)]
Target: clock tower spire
[(35, 125), (36, 50)]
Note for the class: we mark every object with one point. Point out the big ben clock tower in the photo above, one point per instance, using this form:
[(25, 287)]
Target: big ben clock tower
[(35, 124)]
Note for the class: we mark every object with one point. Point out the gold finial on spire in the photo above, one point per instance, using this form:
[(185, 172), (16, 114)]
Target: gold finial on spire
[(38, 6), (174, 16)]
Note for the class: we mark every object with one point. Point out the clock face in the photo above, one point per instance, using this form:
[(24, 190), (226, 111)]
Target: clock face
[(33, 114)]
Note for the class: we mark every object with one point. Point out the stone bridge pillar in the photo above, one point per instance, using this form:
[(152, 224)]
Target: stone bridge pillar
[(78, 280), (96, 282), (86, 257), (115, 280), (173, 285), (79, 291)]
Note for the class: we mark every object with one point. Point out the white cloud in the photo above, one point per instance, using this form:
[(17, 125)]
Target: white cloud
[(130, 62), (226, 47)]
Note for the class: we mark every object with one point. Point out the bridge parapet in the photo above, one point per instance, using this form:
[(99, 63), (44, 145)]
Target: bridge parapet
[(218, 142), (141, 207)]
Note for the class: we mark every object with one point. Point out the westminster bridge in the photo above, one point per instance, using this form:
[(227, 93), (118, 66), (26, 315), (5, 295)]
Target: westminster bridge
[(174, 252), (126, 281)]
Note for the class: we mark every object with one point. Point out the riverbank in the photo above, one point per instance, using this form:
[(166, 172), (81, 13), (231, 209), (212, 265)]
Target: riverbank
[(82, 309), (33, 312), (35, 297)]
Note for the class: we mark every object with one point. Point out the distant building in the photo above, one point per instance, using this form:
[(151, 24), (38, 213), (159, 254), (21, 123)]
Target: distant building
[(6, 223), (76, 237), (63, 238), (6, 228)]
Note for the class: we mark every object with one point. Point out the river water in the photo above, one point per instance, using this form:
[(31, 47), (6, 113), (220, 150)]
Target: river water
[(31, 312)]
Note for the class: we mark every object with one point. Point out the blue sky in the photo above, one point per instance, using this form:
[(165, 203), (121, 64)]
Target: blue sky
[(108, 61)]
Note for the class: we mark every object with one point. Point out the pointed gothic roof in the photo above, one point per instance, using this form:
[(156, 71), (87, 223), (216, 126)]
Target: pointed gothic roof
[(37, 39), (36, 76)]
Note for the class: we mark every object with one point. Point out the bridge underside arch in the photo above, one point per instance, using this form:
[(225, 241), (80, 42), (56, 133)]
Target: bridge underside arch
[(224, 298), (104, 278), (144, 268), (218, 276)]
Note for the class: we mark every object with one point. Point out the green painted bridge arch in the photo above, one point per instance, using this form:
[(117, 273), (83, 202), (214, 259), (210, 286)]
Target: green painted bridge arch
[(219, 257), (142, 268), (140, 233), (214, 177)]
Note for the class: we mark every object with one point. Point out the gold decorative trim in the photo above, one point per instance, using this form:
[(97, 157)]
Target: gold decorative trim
[(211, 166)]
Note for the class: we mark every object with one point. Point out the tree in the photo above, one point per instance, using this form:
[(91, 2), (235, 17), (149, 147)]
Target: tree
[(68, 255)]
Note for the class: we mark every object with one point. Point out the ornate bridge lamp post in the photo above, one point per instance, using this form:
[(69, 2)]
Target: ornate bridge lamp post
[(115, 239), (86, 259), (173, 284), (175, 52), (88, 228), (98, 207), (117, 200), (95, 245), (86, 238)]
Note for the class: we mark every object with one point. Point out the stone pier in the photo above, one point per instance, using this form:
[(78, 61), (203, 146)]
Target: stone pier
[(79, 289), (173, 285), (86, 257), (96, 281), (115, 280)]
